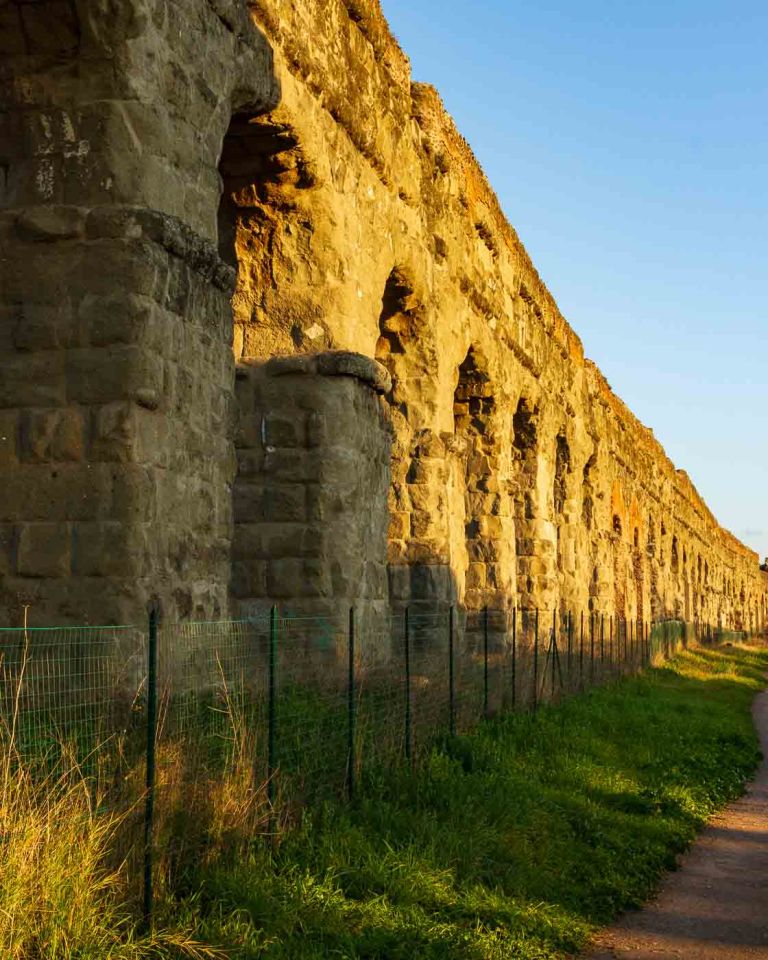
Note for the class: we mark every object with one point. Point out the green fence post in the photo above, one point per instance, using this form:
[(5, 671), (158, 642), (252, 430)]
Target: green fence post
[(451, 674), (554, 650), (408, 717), (272, 716), (592, 617), (486, 707), (514, 658), (602, 645), (610, 643), (536, 661), (351, 709), (149, 803), (581, 651)]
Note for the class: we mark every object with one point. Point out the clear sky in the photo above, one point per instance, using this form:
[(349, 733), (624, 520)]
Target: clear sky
[(628, 144)]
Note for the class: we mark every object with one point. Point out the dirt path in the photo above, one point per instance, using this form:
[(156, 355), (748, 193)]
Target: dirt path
[(716, 906)]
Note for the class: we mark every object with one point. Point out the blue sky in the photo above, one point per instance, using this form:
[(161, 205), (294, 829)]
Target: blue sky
[(628, 143)]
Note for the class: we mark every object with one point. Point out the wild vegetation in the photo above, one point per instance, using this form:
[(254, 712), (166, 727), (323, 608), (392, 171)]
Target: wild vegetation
[(518, 841)]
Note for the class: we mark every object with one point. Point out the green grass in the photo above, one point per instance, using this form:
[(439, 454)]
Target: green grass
[(517, 842)]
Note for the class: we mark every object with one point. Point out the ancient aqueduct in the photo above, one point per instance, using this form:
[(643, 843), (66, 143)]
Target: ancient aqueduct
[(178, 177)]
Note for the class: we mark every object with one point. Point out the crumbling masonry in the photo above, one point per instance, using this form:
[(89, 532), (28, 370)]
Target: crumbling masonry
[(265, 335)]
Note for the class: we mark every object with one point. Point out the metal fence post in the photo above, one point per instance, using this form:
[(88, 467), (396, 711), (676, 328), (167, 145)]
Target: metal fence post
[(451, 674), (514, 658), (610, 643), (602, 645), (581, 650), (536, 661), (408, 717), (272, 706), (554, 649), (149, 803), (486, 705), (592, 617), (351, 709)]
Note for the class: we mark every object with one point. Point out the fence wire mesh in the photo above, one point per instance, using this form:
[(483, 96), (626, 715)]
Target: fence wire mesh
[(260, 719)]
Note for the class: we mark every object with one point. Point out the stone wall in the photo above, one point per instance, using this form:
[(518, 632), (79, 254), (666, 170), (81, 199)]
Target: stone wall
[(116, 458), (155, 156), (310, 502), (517, 474)]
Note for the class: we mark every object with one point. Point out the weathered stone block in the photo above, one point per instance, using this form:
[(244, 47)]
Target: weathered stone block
[(33, 380), (109, 549), (298, 578), (484, 551), (43, 326), (287, 502), (423, 523), (134, 494), (116, 319), (492, 527), (249, 579), (317, 429), (63, 492), (375, 582), (427, 498), (250, 463), (115, 433), (44, 550), (51, 223), (399, 526), (431, 582), (283, 431), (54, 435), (9, 433), (6, 549), (112, 373), (426, 470), (476, 576), (294, 465)]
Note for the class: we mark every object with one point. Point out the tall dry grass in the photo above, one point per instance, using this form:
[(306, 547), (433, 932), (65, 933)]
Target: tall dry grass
[(59, 898)]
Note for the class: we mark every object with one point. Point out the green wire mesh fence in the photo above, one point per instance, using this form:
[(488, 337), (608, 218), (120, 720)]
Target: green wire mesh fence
[(207, 733)]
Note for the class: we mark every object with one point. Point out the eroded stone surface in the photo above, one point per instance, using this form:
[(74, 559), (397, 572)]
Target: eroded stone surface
[(354, 225)]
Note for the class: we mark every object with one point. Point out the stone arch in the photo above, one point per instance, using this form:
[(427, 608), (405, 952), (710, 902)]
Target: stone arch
[(397, 317), (638, 562), (523, 486), (265, 224), (487, 527), (406, 348), (588, 492), (655, 561), (564, 519), (620, 538), (419, 532)]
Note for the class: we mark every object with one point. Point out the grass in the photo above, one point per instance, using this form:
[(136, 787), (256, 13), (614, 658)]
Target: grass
[(517, 842), (59, 897)]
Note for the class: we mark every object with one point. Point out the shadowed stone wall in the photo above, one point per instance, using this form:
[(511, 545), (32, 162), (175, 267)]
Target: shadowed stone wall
[(192, 184), (116, 368), (313, 450)]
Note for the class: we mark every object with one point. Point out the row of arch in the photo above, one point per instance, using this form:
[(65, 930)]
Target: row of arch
[(515, 514), (531, 529)]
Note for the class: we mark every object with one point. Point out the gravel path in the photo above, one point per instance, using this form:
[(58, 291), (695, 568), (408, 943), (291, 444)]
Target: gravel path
[(716, 906)]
